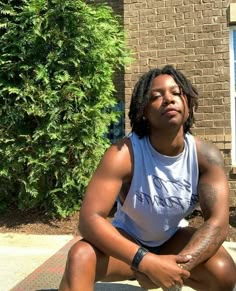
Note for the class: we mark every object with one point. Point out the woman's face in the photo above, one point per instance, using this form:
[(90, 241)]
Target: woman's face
[(167, 106)]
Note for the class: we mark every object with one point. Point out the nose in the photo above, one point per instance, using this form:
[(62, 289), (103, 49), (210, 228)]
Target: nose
[(168, 98)]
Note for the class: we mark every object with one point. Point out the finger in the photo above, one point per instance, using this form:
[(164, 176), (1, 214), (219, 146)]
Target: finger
[(183, 258), (185, 273), (181, 266), (179, 282)]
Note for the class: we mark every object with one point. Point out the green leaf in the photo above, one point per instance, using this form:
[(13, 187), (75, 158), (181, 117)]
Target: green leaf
[(57, 65)]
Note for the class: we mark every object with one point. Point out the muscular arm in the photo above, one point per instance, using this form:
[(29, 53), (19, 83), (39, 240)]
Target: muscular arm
[(213, 195), (114, 170)]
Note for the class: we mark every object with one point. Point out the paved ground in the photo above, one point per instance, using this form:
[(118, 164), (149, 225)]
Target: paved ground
[(35, 262)]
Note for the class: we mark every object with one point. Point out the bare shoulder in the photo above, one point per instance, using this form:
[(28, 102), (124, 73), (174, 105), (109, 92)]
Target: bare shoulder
[(118, 159), (208, 154), (120, 150)]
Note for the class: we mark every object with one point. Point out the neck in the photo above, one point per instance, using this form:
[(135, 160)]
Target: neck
[(168, 144)]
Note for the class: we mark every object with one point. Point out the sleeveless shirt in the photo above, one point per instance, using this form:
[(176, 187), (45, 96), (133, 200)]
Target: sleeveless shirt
[(162, 192)]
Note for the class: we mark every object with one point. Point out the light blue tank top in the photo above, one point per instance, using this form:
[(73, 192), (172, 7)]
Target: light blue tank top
[(163, 191)]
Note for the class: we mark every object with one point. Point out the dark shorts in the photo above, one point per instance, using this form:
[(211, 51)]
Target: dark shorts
[(155, 250)]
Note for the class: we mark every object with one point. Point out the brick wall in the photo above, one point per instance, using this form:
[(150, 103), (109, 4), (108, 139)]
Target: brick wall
[(192, 35)]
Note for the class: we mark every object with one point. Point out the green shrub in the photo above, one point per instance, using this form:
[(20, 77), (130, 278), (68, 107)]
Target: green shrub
[(57, 61)]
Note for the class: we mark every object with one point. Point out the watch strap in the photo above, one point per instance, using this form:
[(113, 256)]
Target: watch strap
[(141, 252)]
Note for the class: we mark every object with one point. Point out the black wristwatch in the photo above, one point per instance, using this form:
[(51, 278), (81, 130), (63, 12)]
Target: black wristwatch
[(141, 252)]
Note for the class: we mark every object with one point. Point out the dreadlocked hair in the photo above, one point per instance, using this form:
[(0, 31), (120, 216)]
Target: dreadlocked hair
[(141, 96)]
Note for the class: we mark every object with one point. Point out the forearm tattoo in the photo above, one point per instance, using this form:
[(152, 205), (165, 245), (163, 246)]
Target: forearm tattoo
[(203, 244), (208, 198), (208, 237)]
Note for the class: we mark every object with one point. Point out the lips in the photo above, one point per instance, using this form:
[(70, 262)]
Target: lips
[(170, 110)]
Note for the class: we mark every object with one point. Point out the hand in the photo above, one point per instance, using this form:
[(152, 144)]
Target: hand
[(164, 271)]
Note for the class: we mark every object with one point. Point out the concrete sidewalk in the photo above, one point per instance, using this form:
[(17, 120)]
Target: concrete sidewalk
[(22, 254)]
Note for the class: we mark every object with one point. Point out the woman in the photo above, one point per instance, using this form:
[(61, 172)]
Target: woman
[(158, 174)]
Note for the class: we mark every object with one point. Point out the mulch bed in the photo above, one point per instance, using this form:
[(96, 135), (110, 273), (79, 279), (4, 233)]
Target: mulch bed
[(36, 222)]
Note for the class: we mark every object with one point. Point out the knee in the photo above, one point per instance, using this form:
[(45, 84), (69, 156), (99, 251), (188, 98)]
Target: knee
[(225, 274), (80, 254)]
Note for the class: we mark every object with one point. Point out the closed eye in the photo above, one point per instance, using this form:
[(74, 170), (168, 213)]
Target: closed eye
[(155, 96), (177, 94)]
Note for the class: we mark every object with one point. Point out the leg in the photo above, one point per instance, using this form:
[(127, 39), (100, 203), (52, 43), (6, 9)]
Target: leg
[(216, 274), (86, 265)]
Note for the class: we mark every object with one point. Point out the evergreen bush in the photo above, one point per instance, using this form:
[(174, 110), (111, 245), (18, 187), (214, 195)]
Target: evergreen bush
[(57, 61)]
